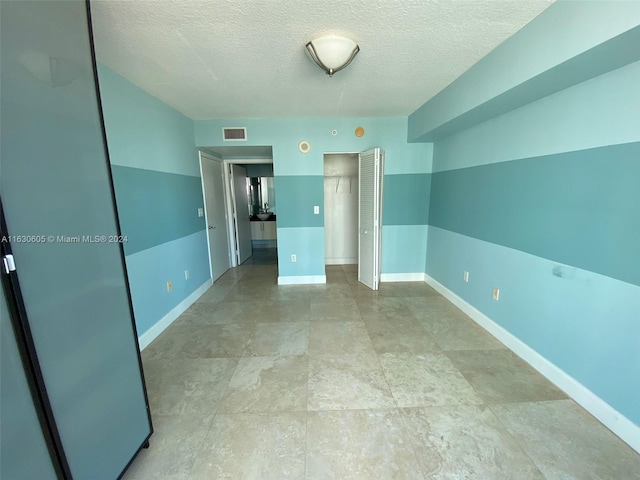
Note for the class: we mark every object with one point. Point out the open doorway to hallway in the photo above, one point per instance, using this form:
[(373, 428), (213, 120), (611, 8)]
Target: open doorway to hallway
[(246, 222)]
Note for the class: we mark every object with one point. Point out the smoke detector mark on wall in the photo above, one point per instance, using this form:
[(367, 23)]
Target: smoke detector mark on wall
[(234, 134)]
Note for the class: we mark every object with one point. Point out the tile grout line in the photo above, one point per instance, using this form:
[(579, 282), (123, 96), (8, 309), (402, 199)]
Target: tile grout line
[(515, 439)]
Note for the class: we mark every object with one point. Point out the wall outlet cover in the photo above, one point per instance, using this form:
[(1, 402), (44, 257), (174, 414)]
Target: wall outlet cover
[(294, 259)]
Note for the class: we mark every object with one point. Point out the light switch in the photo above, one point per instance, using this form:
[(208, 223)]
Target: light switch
[(316, 210)]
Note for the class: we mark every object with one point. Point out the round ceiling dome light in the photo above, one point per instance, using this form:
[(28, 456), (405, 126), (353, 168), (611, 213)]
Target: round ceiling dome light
[(332, 53), (304, 146)]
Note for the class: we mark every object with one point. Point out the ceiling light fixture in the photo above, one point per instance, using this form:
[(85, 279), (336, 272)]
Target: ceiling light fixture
[(332, 53), (52, 71)]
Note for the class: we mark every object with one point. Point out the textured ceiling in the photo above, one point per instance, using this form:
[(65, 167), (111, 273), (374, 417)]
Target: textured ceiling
[(241, 58)]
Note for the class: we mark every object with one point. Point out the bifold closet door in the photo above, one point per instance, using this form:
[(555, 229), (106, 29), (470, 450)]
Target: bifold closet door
[(370, 186), (62, 226)]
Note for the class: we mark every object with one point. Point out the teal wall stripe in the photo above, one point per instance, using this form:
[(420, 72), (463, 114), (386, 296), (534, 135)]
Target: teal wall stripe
[(296, 196), (580, 208), (406, 199), (147, 198)]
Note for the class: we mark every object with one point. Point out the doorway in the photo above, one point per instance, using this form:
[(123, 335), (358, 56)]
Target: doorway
[(353, 187), (341, 208), (250, 224)]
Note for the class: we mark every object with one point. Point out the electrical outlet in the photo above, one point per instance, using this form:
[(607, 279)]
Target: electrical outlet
[(496, 294), (186, 274), (200, 212), (316, 210), (294, 259), (169, 285), (465, 276)]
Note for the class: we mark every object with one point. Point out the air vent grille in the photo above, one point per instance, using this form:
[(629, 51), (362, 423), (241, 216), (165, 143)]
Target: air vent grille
[(234, 133)]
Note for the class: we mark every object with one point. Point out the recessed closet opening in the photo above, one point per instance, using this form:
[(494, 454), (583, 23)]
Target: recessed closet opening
[(341, 208)]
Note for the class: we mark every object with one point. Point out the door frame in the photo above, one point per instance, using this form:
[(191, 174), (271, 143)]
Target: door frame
[(204, 195), (229, 196), (380, 207), (357, 158)]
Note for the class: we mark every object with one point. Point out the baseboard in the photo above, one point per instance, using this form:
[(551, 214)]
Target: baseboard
[(302, 280), (150, 335), (402, 277), (605, 413)]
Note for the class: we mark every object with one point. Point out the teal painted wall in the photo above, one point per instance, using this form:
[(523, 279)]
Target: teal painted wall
[(150, 269), (149, 198), (299, 182), (580, 208), (583, 322), (307, 243), (543, 203), (406, 199), (296, 197), (144, 132), (158, 192), (404, 248), (570, 42), (389, 133)]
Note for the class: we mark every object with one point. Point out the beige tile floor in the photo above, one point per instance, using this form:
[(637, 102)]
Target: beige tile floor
[(259, 381)]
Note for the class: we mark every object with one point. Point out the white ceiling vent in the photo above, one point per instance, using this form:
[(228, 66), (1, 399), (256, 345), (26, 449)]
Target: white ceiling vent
[(235, 134)]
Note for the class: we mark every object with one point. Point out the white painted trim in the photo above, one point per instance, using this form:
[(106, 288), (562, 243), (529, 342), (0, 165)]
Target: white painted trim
[(229, 208), (302, 280), (201, 156), (402, 277), (610, 417), (249, 161), (210, 156), (150, 335)]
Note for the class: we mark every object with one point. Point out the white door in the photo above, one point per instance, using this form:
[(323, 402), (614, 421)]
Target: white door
[(213, 191), (370, 176), (241, 212)]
